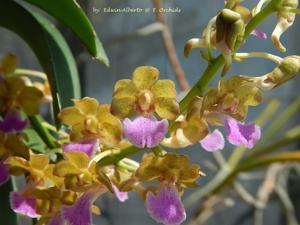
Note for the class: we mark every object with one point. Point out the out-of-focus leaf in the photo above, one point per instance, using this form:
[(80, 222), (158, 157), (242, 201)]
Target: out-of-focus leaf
[(70, 14), (293, 156), (33, 141), (50, 48)]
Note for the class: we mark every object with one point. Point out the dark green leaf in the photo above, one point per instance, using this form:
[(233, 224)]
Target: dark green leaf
[(50, 48), (70, 14)]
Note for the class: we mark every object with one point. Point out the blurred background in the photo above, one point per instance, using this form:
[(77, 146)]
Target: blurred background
[(134, 39)]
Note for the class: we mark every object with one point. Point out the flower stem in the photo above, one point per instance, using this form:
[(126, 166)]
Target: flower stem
[(36, 123), (261, 16), (32, 73), (198, 89), (263, 55), (215, 65), (115, 156)]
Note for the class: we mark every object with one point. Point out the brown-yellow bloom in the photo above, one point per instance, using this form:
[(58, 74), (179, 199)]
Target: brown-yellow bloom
[(89, 119), (145, 94)]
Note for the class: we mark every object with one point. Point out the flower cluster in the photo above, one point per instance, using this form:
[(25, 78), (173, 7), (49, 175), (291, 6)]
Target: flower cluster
[(89, 160)]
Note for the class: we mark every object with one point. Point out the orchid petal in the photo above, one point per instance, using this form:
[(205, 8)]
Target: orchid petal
[(88, 146), (145, 131), (23, 205), (121, 196), (166, 207), (12, 122), (213, 141), (80, 212), (242, 134)]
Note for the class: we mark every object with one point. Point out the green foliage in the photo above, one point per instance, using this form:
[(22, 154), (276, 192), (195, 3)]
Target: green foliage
[(70, 14), (50, 48)]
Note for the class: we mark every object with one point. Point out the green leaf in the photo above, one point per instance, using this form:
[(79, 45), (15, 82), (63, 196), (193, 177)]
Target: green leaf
[(70, 14), (50, 48), (34, 141)]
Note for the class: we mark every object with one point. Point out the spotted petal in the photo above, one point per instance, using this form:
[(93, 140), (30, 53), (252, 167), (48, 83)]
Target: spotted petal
[(145, 131), (213, 141), (166, 207), (242, 134), (121, 196), (13, 123), (88, 146), (4, 173), (23, 205)]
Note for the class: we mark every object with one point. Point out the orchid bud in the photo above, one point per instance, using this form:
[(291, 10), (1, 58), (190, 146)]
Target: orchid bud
[(286, 18), (244, 12), (286, 70), (229, 26)]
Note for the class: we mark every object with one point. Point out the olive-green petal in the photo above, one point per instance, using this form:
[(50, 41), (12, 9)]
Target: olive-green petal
[(164, 89), (145, 76)]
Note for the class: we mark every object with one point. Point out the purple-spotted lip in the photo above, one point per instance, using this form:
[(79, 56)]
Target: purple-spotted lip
[(166, 206), (80, 212), (242, 134), (88, 146), (145, 131)]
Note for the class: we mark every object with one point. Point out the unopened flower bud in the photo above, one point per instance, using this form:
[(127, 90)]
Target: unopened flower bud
[(229, 26), (286, 18), (286, 70)]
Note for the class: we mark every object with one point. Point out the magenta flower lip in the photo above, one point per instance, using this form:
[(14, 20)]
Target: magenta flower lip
[(23, 205), (88, 146), (80, 212), (145, 131), (12, 122), (121, 196), (242, 134), (213, 141), (166, 207)]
